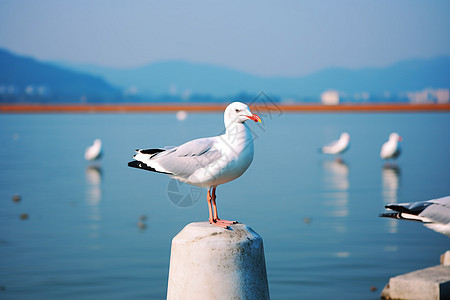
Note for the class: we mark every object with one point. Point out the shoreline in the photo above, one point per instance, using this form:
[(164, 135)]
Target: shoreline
[(219, 107)]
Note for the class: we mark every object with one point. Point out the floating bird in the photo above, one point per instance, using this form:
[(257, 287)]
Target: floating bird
[(391, 148), (434, 214), (337, 147), (94, 151), (207, 162)]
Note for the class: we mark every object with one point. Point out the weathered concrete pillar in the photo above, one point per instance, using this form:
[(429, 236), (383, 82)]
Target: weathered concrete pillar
[(208, 262)]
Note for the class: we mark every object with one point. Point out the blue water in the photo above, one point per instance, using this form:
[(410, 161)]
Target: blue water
[(319, 219)]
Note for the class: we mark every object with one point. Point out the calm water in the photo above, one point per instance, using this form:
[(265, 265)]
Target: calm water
[(319, 219)]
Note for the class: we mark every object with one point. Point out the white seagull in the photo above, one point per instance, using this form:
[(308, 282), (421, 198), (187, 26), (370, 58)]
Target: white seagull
[(94, 151), (339, 146), (434, 214), (207, 162), (391, 148)]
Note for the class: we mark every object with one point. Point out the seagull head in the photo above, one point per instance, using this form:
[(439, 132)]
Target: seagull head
[(345, 135), (238, 112), (395, 136)]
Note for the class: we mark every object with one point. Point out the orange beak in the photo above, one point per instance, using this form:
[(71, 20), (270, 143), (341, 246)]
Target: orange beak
[(255, 118)]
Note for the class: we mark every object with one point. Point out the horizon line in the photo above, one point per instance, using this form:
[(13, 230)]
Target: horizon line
[(215, 107)]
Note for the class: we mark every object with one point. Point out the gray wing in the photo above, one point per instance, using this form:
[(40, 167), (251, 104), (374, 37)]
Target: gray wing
[(185, 159), (325, 149), (438, 211)]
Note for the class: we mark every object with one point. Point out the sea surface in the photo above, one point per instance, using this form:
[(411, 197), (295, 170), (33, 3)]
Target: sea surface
[(102, 230)]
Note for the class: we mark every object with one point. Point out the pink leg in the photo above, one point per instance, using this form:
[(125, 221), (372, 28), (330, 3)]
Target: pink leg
[(212, 220), (208, 198), (216, 216)]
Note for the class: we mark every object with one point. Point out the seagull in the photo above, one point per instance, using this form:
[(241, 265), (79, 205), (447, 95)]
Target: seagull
[(339, 146), (391, 148), (434, 214), (207, 162), (94, 151)]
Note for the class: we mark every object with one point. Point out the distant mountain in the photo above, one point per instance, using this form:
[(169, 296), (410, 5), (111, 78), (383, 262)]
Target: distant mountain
[(408, 75), (179, 77), (176, 77), (26, 79), (23, 78)]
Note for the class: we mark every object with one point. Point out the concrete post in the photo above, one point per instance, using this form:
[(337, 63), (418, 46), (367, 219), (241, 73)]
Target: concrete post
[(208, 262)]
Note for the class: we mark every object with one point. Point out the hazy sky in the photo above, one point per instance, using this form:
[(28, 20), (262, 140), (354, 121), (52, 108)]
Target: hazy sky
[(261, 37)]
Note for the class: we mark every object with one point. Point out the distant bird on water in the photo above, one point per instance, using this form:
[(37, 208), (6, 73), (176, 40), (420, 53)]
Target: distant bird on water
[(434, 214), (337, 147), (391, 148), (94, 151), (207, 162)]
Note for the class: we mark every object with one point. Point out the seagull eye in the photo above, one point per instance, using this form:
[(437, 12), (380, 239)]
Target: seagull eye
[(237, 110)]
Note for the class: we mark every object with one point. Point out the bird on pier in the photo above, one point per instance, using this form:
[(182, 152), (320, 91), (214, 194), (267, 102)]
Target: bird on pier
[(207, 162), (434, 214)]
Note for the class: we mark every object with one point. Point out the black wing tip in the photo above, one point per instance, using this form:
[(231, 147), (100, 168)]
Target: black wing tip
[(150, 151), (414, 209), (140, 165), (398, 208), (389, 215), (133, 164), (399, 215)]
